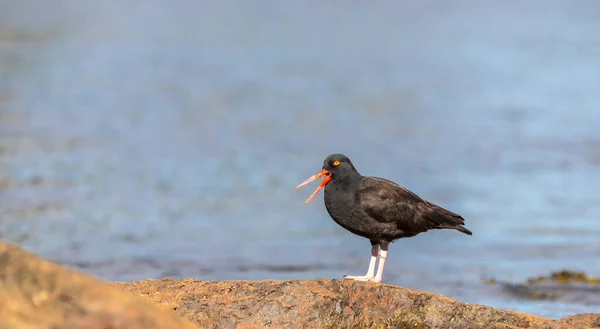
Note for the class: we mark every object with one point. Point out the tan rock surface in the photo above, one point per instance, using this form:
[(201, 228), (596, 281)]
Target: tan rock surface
[(331, 304), (36, 293)]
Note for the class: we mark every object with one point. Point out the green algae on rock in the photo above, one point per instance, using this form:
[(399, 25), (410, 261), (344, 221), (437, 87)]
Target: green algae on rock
[(565, 276), (566, 285)]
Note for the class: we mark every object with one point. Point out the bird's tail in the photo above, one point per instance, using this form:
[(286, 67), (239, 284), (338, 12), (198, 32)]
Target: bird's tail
[(446, 219), (458, 227), (463, 229)]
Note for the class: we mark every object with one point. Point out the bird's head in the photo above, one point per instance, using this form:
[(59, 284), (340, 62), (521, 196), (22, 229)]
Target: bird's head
[(336, 166)]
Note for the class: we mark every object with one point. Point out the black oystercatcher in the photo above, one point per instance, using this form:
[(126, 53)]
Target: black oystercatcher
[(377, 209)]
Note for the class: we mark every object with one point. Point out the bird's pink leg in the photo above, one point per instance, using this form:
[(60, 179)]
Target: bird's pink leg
[(382, 257), (371, 272)]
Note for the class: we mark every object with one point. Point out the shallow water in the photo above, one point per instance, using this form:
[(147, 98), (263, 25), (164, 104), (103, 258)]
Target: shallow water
[(146, 139)]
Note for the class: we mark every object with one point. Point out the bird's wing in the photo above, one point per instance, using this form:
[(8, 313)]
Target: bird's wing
[(386, 201)]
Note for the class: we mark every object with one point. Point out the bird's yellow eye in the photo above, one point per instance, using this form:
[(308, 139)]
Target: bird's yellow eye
[(336, 163)]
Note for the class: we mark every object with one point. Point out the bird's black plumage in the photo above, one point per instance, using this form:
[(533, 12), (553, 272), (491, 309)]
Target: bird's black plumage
[(378, 209)]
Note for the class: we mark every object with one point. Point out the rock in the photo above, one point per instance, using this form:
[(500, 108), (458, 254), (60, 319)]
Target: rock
[(36, 293), (331, 304), (566, 286)]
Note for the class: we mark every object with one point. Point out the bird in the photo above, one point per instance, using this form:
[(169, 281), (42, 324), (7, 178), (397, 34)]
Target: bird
[(377, 209)]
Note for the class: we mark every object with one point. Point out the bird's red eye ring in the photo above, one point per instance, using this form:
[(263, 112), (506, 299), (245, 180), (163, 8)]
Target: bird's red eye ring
[(336, 163)]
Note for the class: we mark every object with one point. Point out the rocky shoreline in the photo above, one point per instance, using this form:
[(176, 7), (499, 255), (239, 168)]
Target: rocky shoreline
[(330, 304), (36, 293)]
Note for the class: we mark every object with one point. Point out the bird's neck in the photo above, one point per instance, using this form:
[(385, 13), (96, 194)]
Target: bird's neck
[(345, 182)]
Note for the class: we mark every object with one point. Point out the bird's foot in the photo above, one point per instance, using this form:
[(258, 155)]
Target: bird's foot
[(368, 278)]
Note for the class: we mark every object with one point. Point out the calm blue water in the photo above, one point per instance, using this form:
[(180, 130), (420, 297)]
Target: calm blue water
[(152, 139)]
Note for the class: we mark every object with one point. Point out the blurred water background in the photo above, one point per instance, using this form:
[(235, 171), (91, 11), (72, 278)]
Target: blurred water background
[(164, 138)]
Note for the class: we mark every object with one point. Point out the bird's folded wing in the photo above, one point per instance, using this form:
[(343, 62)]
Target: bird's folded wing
[(386, 201)]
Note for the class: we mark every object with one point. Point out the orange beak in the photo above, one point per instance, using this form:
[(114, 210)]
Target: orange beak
[(324, 182)]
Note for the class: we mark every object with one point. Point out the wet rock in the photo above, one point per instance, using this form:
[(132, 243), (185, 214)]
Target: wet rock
[(36, 293), (565, 286), (330, 304)]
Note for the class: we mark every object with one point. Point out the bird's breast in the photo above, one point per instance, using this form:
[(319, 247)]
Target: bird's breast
[(341, 204)]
